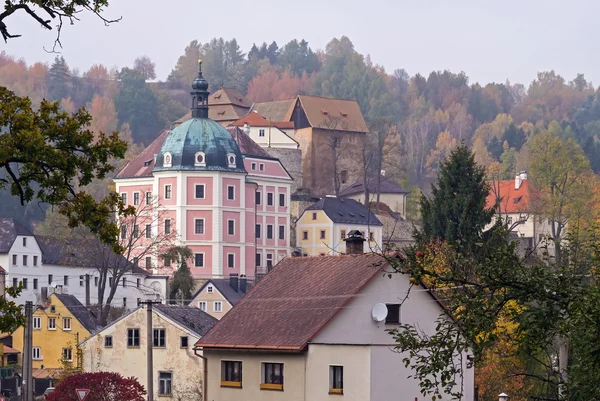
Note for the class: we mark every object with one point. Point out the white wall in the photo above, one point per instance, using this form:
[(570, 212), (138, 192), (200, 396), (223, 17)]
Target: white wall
[(278, 138)]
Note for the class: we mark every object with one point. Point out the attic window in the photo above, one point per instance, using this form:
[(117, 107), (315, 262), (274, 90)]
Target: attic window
[(167, 160), (351, 214), (220, 113), (325, 112), (199, 159), (343, 114), (217, 96), (231, 160), (148, 162), (517, 199)]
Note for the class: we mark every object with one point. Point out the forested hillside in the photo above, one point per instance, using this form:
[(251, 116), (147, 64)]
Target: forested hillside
[(430, 113)]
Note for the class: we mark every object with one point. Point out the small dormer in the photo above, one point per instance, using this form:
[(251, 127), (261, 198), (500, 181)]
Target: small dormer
[(231, 160), (200, 159), (167, 160)]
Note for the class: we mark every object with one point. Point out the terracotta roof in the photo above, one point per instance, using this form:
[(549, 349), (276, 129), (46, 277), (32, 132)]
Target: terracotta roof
[(346, 211), (511, 200), (228, 96), (292, 303), (142, 164), (47, 373), (254, 119), (9, 350), (219, 112), (331, 114), (276, 110), (284, 124), (9, 230), (246, 144), (386, 186)]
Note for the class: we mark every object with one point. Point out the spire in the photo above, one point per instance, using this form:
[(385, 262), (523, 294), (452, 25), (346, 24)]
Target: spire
[(200, 95)]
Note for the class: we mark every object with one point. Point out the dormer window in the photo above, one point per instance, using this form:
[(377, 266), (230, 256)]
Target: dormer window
[(199, 159), (167, 160), (231, 160)]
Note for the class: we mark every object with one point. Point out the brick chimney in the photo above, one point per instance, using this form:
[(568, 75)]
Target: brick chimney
[(355, 243)]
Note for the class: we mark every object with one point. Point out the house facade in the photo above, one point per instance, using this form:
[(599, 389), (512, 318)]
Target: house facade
[(59, 324), (390, 193), (265, 133), (323, 227), (307, 332), (217, 296), (38, 262), (121, 347), (221, 194)]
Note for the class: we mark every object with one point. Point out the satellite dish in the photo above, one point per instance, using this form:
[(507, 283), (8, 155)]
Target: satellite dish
[(379, 312)]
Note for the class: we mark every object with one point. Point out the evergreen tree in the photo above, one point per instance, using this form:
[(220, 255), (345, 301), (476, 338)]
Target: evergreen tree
[(456, 211), (514, 136), (494, 146), (58, 79), (182, 285), (186, 68)]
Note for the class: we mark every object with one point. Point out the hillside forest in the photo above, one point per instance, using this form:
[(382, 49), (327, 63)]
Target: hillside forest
[(426, 115)]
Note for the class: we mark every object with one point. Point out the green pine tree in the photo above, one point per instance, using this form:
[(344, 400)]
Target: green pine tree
[(456, 212), (182, 285), (59, 78)]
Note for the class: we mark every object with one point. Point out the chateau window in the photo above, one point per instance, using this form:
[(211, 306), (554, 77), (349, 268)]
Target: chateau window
[(136, 198), (199, 191), (168, 191), (231, 160), (167, 160), (199, 159)]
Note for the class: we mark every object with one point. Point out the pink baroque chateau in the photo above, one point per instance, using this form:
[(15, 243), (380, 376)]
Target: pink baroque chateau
[(215, 190)]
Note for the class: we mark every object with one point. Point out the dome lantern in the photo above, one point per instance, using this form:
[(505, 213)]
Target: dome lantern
[(199, 95)]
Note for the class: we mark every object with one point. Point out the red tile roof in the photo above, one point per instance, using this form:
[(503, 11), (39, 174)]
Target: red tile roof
[(142, 164), (288, 307), (511, 200), (254, 119), (331, 114), (246, 144)]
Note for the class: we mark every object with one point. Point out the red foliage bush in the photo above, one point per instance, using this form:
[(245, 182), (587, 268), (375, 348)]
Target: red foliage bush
[(103, 386)]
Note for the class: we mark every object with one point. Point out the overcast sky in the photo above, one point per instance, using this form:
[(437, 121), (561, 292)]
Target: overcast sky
[(490, 40)]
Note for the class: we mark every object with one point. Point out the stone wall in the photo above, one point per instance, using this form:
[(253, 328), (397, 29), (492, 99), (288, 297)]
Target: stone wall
[(292, 161)]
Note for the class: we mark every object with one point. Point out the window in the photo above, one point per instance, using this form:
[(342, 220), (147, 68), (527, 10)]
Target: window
[(133, 337), (66, 323), (371, 236), (110, 280), (314, 216), (164, 383), (261, 167), (167, 261), (50, 279), (96, 281), (159, 338), (257, 231), (138, 282), (136, 198), (257, 197), (230, 260), (281, 232), (37, 323), (344, 176), (202, 306), (199, 226), (124, 282), (269, 198), (67, 354), (281, 200), (230, 227), (66, 280), (272, 376), (230, 192), (136, 230), (24, 260), (253, 166), (261, 132), (231, 160), (269, 260), (231, 374), (15, 282), (168, 192), (148, 231), (217, 306), (108, 343), (199, 260), (123, 231), (35, 283), (209, 289), (124, 198), (51, 323), (393, 315), (36, 353), (269, 231), (199, 159), (258, 259), (343, 234), (148, 262), (199, 191), (14, 260), (167, 226), (509, 220), (35, 260), (305, 235), (336, 380), (322, 234), (124, 302), (24, 283), (167, 160), (183, 342), (148, 198), (24, 241)]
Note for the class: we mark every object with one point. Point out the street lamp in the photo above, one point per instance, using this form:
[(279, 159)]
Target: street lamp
[(503, 397)]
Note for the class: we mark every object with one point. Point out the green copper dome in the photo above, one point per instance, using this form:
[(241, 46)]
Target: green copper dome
[(199, 144)]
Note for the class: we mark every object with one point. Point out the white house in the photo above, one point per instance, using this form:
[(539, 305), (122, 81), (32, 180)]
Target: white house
[(40, 262), (267, 134)]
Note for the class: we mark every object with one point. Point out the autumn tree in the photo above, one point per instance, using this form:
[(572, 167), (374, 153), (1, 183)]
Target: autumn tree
[(182, 285), (146, 67), (102, 386), (444, 144), (186, 68), (104, 115)]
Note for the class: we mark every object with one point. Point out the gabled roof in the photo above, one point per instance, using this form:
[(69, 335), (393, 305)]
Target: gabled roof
[(224, 287), (347, 211), (219, 113), (228, 96), (189, 317), (331, 114), (246, 144), (511, 200), (276, 110), (252, 119), (142, 164), (9, 230), (79, 311), (386, 186), (292, 303)]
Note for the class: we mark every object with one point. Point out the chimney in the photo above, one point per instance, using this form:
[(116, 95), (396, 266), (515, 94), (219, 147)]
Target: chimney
[(355, 243), (233, 281), (243, 283), (523, 175), (519, 178), (44, 296)]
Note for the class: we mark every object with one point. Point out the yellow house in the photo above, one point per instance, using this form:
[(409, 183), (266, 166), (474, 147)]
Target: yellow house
[(217, 296), (57, 330), (323, 226)]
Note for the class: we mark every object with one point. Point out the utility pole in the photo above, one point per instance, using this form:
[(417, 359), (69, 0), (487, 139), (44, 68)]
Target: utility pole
[(149, 346), (27, 353)]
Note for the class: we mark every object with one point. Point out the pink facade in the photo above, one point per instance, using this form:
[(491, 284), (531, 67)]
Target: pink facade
[(204, 227), (230, 218), (166, 195), (206, 259), (231, 252), (207, 183), (271, 168), (229, 183)]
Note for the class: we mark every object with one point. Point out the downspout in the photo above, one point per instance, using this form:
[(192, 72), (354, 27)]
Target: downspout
[(204, 374)]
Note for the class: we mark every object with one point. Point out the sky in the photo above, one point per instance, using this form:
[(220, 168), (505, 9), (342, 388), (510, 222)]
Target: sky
[(490, 40)]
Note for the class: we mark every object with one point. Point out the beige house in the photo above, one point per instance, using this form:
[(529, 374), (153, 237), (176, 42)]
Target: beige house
[(307, 332), (390, 193), (217, 296), (121, 347)]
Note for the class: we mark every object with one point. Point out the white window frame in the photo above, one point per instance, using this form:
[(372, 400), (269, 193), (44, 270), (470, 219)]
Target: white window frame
[(203, 259), (233, 226), (232, 187), (124, 198), (39, 356), (279, 233), (261, 167), (203, 162), (170, 226), (261, 132), (210, 289), (202, 305), (69, 354), (170, 186), (282, 196), (231, 160), (167, 159), (138, 198), (203, 227), (52, 327), (217, 306), (203, 190), (35, 260), (37, 323), (232, 256), (148, 233), (272, 196), (67, 327), (15, 260), (267, 233), (253, 166), (148, 198), (170, 387)]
